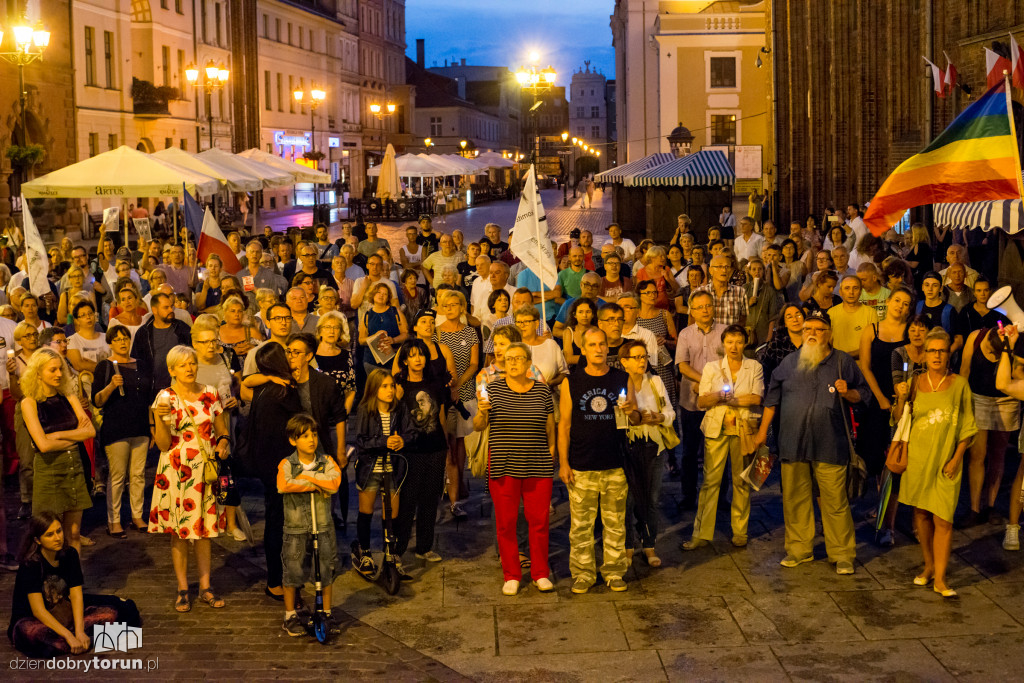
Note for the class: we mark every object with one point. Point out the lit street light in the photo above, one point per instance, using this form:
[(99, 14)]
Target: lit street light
[(316, 96), (535, 80), (214, 77), (29, 44)]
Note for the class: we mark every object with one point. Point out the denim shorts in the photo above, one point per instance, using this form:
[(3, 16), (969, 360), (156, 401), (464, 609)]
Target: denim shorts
[(297, 558)]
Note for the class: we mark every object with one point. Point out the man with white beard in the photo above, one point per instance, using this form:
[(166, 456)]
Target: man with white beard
[(806, 390)]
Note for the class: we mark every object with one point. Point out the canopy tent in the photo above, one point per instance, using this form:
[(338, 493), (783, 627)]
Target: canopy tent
[(413, 166), (120, 174), (271, 176), (469, 165), (708, 168), (234, 179), (620, 173), (302, 174), (389, 184), (495, 160)]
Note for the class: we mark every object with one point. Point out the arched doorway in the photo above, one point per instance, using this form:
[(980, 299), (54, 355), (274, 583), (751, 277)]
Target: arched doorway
[(145, 145)]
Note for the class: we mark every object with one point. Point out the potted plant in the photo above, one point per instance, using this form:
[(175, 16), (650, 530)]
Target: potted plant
[(24, 157)]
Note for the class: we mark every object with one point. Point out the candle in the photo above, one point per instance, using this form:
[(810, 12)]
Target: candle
[(117, 371)]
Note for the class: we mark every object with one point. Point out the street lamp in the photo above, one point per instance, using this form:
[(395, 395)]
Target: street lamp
[(535, 80), (380, 112), (29, 44), (316, 96), (213, 77)]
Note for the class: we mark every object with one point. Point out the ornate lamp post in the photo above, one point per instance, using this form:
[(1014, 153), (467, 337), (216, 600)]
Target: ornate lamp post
[(380, 112), (535, 80), (213, 78), (29, 44), (316, 96)]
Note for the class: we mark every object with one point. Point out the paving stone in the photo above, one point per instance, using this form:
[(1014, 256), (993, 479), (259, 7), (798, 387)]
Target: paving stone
[(798, 617), (993, 657), (759, 563), (559, 628), (567, 667), (667, 623), (920, 613), (707, 573), (891, 660), (467, 630), (896, 567), (755, 663)]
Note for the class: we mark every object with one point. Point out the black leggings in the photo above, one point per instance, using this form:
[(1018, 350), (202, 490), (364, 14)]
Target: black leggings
[(273, 534), (421, 490)]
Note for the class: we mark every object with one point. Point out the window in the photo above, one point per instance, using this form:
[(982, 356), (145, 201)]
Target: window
[(94, 144), (202, 20), (181, 73), (591, 92), (266, 27), (112, 141), (311, 40), (280, 105), (183, 144), (168, 143), (579, 112), (302, 104), (177, 7), (595, 112), (723, 129), (579, 131), (216, 22), (90, 59), (436, 129), (401, 119), (266, 90), (723, 72), (291, 89), (277, 30), (163, 4), (165, 56), (108, 57), (302, 38), (289, 33), (595, 132)]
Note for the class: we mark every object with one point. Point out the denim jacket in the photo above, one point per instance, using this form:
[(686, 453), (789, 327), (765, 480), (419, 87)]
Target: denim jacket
[(296, 484)]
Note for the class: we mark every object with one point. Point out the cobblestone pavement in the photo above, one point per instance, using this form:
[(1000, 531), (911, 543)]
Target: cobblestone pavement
[(719, 613)]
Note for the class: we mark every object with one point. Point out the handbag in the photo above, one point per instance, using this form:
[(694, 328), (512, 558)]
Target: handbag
[(477, 446), (896, 456), (857, 469), (669, 438)]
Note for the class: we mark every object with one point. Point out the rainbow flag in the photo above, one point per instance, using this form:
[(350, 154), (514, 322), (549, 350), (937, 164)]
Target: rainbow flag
[(975, 159)]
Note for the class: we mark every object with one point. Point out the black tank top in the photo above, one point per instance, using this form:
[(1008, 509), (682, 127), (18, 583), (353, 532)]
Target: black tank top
[(881, 362), (983, 371), (593, 438)]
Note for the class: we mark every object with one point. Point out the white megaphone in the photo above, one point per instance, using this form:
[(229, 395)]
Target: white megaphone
[(1002, 300)]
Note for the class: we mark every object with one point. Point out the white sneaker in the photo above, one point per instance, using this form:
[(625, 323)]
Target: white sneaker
[(1011, 541), (237, 534), (544, 585), (510, 588), (429, 556)]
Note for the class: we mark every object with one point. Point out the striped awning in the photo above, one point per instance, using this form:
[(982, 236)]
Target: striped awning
[(703, 168), (1004, 214), (620, 173)]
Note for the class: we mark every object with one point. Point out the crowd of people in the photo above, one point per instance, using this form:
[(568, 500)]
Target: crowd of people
[(734, 346)]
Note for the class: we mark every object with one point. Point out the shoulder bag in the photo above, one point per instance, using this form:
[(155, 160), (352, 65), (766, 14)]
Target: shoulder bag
[(896, 456)]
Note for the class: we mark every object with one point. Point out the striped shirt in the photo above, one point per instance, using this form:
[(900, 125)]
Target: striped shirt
[(518, 436)]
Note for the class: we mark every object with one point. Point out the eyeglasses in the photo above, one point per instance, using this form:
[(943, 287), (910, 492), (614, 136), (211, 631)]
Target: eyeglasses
[(295, 352), (308, 253), (616, 319), (515, 359), (90, 314), (705, 307), (279, 318), (528, 321), (333, 328), (206, 341), (939, 351), (643, 357)]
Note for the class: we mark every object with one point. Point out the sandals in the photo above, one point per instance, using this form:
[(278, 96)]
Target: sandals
[(210, 598), (182, 604), (652, 559)]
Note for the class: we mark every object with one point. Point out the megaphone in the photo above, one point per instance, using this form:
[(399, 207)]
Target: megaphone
[(1002, 300)]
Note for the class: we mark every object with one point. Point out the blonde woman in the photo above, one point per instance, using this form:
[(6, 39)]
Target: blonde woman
[(190, 428), (463, 342), (76, 284), (332, 355), (57, 425), (237, 331)]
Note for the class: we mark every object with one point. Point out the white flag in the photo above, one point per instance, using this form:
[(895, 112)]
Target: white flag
[(37, 262), (530, 241)]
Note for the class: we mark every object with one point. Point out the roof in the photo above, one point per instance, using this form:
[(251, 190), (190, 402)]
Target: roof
[(703, 168), (433, 90), (619, 173)]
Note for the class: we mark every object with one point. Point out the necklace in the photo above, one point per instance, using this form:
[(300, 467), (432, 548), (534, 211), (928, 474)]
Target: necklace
[(928, 376)]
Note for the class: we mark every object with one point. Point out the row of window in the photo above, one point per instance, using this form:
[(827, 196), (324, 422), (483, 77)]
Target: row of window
[(291, 34), (204, 23), (94, 143), (595, 132), (108, 58), (275, 95), (595, 112)]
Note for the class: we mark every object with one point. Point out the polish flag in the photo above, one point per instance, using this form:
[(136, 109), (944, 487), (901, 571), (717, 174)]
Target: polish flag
[(937, 77), (1017, 71), (951, 74), (996, 66), (212, 241)]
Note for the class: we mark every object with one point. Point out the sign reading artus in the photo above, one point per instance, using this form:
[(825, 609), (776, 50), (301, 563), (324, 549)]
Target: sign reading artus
[(281, 139)]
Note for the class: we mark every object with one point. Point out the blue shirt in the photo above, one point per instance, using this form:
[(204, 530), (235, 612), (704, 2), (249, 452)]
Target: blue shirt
[(810, 418)]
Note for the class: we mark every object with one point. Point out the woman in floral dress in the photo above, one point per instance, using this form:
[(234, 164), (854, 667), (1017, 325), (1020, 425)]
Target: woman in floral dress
[(941, 430), (189, 427)]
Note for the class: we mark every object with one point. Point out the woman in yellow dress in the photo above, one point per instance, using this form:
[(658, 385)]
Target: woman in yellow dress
[(941, 430)]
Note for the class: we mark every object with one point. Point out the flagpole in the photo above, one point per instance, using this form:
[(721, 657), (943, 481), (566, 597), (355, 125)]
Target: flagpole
[(536, 222), (1013, 132)]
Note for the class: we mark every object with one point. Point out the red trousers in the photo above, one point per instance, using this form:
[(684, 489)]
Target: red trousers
[(535, 493)]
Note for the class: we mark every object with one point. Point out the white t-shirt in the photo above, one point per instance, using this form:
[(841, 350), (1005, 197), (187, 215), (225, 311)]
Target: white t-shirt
[(745, 248), (93, 350), (360, 284), (549, 359)]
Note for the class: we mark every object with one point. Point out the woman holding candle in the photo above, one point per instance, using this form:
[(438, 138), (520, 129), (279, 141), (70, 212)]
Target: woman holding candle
[(121, 393)]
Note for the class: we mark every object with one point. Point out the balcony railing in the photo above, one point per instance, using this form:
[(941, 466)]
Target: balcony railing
[(150, 101)]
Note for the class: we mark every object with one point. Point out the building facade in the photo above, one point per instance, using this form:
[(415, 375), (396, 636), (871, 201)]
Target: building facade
[(588, 110), (848, 112), (638, 109)]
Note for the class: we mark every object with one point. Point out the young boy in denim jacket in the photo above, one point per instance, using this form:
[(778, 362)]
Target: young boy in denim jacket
[(306, 471)]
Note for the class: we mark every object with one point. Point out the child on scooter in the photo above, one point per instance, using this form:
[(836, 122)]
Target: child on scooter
[(382, 426), (306, 470)]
